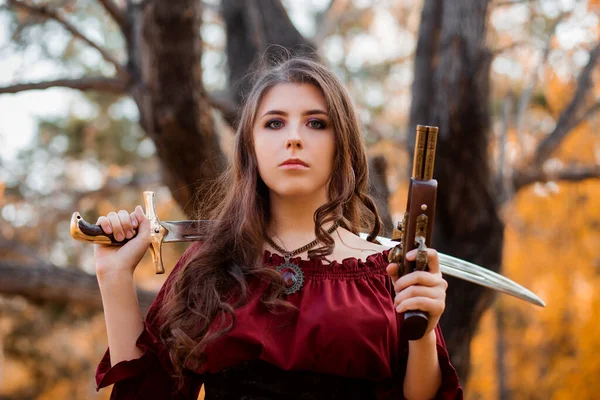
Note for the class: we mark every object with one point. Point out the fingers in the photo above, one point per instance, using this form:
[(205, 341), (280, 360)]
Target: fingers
[(126, 223), (422, 278), (104, 224), (431, 306), (433, 261), (122, 224), (139, 215), (393, 270), (134, 221), (418, 291)]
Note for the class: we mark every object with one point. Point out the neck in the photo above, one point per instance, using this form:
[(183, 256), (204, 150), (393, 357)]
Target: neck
[(292, 225)]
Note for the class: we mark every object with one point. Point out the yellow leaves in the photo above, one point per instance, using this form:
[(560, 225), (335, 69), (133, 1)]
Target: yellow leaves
[(581, 145), (2, 189), (14, 375), (551, 246), (593, 5), (61, 390), (558, 92), (483, 383)]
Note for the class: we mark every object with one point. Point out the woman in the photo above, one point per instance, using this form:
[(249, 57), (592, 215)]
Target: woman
[(282, 299)]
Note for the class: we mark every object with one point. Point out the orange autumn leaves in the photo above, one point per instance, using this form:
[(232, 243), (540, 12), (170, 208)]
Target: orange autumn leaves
[(551, 246)]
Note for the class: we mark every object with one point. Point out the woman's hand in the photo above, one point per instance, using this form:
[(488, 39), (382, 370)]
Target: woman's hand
[(117, 261), (421, 290)]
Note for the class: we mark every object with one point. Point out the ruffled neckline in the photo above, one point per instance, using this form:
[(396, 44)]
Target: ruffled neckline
[(350, 267)]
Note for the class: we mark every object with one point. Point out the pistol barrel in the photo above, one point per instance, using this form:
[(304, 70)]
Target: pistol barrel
[(424, 155)]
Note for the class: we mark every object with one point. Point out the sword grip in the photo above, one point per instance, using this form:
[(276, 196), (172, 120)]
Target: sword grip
[(84, 231)]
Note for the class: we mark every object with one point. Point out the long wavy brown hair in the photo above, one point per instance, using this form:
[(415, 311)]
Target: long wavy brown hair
[(213, 280)]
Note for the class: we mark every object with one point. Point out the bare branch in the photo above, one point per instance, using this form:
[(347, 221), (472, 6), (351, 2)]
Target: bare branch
[(337, 15), (585, 115), (223, 102), (525, 99), (573, 173), (569, 114), (116, 13), (20, 248), (513, 45), (511, 3), (109, 85), (46, 12), (504, 174), (45, 283), (329, 19), (211, 7)]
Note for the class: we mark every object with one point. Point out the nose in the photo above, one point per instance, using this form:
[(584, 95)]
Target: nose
[(294, 140), (293, 143)]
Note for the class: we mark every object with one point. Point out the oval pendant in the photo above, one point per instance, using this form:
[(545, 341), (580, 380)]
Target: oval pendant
[(293, 276)]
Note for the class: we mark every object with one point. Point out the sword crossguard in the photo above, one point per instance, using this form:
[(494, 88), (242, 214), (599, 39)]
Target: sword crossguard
[(157, 232)]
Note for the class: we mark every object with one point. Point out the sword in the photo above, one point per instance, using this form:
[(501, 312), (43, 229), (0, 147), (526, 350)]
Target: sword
[(190, 231), (470, 272)]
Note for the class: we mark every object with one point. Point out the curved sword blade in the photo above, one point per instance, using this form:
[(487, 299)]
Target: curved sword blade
[(482, 276), (474, 273), (184, 231)]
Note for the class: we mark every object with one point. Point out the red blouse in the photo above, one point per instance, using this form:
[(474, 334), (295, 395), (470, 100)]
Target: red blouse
[(347, 326)]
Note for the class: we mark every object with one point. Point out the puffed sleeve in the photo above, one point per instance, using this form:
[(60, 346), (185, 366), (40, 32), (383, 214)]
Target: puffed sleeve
[(150, 375)]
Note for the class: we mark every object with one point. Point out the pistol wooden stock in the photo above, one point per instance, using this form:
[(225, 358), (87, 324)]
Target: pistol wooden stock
[(416, 228)]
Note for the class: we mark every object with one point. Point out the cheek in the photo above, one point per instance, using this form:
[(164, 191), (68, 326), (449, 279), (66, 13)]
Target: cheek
[(264, 151), (327, 149)]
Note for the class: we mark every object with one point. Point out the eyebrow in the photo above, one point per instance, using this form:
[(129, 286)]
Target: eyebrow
[(283, 113)]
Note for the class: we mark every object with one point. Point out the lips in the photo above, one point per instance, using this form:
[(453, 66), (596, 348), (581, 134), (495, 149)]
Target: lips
[(294, 161)]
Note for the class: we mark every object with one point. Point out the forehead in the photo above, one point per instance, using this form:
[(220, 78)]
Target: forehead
[(291, 97)]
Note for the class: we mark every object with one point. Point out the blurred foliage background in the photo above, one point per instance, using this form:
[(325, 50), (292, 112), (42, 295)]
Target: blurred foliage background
[(91, 146)]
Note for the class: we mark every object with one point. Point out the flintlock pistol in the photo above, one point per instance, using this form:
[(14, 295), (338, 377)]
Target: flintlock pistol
[(416, 228)]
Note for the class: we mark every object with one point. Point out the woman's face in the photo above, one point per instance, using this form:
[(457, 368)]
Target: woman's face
[(292, 122)]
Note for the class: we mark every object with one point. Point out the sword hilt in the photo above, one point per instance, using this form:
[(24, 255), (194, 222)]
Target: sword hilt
[(84, 231)]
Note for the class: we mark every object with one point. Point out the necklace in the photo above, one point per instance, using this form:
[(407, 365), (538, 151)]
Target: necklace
[(291, 273)]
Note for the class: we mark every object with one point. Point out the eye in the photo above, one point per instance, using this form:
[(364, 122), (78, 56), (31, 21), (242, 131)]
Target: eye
[(316, 124), (274, 124)]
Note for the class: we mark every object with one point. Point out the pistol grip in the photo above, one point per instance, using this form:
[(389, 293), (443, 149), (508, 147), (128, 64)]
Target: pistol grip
[(415, 324)]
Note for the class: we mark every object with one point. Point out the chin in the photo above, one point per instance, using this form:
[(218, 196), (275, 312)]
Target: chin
[(296, 188), (296, 191)]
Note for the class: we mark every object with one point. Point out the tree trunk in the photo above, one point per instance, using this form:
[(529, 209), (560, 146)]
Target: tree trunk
[(253, 26), (165, 49), (451, 90), (503, 392)]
